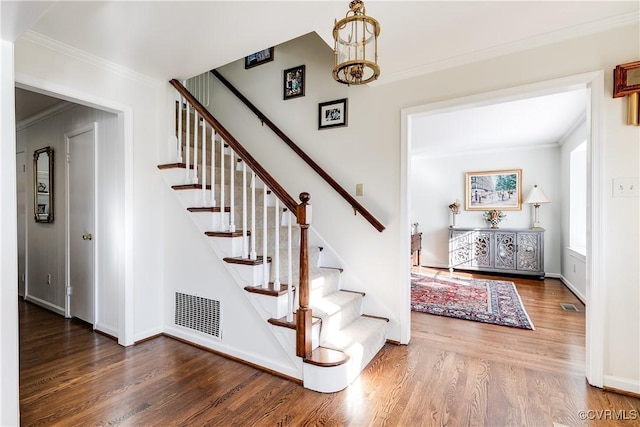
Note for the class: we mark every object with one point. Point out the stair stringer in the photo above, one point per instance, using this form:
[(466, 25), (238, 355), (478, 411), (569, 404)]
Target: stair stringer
[(371, 305), (239, 274), (325, 379)]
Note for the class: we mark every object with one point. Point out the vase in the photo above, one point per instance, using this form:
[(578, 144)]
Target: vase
[(494, 222)]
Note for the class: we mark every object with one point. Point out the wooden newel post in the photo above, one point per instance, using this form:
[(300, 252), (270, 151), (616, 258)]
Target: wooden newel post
[(303, 315)]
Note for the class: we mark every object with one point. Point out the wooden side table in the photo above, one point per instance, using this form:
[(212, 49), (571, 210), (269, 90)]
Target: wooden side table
[(416, 246)]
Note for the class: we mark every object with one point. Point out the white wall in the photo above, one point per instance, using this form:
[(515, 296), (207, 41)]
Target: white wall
[(348, 154), (368, 151), (46, 241), (436, 182), (135, 225), (9, 409), (574, 268)]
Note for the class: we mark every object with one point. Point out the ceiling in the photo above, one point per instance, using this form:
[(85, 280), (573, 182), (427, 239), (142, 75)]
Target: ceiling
[(158, 38), (539, 121)]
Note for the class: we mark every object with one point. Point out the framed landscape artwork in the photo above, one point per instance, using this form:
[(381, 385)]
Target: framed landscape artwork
[(501, 190), (258, 58), (332, 114)]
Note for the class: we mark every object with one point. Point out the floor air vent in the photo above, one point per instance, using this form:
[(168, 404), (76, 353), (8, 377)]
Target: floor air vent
[(568, 306), (200, 314)]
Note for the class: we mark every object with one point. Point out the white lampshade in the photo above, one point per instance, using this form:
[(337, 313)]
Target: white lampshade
[(536, 196)]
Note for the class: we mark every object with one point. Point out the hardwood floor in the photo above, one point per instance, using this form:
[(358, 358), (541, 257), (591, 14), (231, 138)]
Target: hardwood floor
[(454, 373)]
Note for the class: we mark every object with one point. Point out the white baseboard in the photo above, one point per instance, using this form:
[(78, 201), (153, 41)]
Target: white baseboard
[(106, 330), (45, 304), (141, 336), (573, 289), (624, 384), (216, 345)]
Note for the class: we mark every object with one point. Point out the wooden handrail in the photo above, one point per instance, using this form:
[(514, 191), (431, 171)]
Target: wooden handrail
[(357, 207), (253, 164)]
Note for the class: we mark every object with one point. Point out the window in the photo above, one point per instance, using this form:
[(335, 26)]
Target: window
[(578, 199)]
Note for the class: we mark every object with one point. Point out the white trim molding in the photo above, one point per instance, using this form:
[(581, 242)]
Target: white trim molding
[(596, 295), (609, 23)]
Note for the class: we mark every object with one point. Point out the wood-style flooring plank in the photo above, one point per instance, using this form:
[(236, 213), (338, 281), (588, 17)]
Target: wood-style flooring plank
[(453, 373)]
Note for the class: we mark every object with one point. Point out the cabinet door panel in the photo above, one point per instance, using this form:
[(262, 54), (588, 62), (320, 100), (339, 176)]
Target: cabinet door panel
[(481, 255), (505, 250), (529, 251), (460, 248)]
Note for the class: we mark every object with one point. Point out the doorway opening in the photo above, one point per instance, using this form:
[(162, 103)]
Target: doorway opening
[(50, 117), (593, 84)]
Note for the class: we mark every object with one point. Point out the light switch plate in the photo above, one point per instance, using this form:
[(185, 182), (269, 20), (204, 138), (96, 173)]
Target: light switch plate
[(626, 187), (359, 189)]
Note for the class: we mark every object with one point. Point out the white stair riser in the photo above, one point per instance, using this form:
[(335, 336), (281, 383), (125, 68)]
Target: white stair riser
[(250, 275), (226, 246)]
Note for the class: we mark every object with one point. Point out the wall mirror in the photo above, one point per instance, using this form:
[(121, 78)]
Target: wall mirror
[(43, 184)]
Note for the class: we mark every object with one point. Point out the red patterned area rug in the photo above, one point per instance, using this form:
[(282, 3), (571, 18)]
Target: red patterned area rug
[(488, 301)]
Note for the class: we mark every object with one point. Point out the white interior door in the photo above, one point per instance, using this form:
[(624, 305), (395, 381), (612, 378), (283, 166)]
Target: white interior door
[(21, 192), (81, 224)]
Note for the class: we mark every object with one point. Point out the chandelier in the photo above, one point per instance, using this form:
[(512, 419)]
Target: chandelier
[(356, 46)]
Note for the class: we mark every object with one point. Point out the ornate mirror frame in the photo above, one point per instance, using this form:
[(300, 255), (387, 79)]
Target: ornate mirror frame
[(43, 184)]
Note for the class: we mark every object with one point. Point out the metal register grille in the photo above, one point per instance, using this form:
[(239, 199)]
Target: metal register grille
[(200, 314)]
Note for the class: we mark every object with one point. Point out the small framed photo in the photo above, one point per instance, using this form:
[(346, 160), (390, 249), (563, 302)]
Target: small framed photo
[(332, 114), (293, 82), (258, 58), (488, 190)]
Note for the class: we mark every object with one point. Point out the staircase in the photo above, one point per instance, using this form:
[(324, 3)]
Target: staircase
[(262, 237)]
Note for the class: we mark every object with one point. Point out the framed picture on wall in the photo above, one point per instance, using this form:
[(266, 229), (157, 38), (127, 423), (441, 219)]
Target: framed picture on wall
[(501, 189), (293, 82), (258, 58), (332, 113)]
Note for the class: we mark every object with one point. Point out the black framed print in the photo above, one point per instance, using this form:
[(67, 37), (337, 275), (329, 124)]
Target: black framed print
[(293, 82), (258, 58), (332, 114)]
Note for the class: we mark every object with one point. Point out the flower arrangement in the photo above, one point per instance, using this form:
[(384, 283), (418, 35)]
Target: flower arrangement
[(494, 217), (455, 207), (455, 210)]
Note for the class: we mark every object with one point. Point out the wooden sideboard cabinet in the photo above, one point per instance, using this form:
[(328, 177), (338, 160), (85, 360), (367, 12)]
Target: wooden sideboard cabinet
[(514, 251), (416, 247)]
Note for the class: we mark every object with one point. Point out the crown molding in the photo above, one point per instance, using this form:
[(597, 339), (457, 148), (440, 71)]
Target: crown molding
[(89, 58), (43, 115), (593, 27), (581, 121), (425, 154)]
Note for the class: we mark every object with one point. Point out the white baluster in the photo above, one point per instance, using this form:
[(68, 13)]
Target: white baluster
[(276, 251), (222, 222), (188, 146), (213, 168), (289, 270), (232, 192), (245, 244), (204, 163), (265, 277), (253, 255), (196, 125), (180, 118)]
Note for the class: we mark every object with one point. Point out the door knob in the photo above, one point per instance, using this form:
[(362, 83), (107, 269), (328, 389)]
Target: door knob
[(87, 236)]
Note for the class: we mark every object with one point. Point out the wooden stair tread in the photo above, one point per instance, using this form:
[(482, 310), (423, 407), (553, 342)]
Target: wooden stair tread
[(209, 209), (245, 261), (376, 317), (237, 233), (291, 325), (190, 187), (269, 290), (327, 357)]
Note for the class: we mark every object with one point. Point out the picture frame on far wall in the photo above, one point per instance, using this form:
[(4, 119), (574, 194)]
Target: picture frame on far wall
[(258, 58), (293, 82), (500, 189), (332, 114)]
